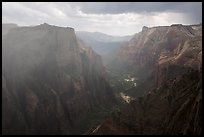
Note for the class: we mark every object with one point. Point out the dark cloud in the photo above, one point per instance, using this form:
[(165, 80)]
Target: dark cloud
[(192, 9), (138, 7)]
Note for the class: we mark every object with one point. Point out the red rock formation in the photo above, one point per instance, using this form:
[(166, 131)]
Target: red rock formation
[(156, 48), (174, 105)]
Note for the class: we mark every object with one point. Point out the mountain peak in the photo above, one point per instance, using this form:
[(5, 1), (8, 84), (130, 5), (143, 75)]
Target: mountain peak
[(176, 25), (144, 28), (46, 25)]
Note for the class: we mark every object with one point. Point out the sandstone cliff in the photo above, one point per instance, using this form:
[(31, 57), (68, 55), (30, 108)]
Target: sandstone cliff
[(173, 105), (153, 50), (51, 82)]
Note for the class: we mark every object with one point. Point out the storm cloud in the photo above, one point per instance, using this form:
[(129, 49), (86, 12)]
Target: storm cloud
[(138, 7), (114, 18), (193, 9)]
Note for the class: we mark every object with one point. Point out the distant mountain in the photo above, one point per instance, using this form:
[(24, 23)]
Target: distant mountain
[(105, 45), (98, 36)]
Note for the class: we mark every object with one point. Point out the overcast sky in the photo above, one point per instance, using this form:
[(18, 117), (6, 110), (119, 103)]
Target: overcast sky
[(113, 18)]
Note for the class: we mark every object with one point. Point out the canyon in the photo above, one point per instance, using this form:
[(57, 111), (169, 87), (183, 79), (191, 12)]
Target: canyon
[(169, 101), (53, 82)]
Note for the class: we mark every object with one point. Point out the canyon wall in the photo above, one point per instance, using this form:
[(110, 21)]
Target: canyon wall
[(51, 82), (173, 106)]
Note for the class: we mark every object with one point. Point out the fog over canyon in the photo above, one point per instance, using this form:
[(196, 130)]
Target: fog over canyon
[(84, 79)]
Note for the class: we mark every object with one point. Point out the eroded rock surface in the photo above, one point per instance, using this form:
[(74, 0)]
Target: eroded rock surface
[(174, 104), (51, 82)]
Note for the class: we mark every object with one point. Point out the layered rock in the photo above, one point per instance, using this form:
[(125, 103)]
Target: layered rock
[(157, 43), (173, 105), (153, 49), (50, 81)]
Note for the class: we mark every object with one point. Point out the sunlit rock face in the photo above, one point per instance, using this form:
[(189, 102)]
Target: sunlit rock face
[(173, 105), (158, 43), (157, 47), (51, 81)]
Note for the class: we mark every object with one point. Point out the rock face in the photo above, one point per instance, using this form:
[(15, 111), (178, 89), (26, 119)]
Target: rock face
[(178, 43), (153, 50), (173, 106), (50, 81)]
